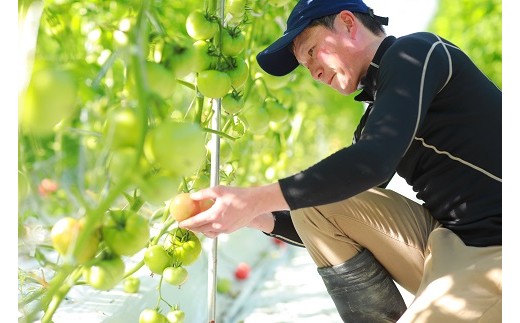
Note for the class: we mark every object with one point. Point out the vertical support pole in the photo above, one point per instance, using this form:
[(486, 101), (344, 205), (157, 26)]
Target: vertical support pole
[(212, 257), (214, 180)]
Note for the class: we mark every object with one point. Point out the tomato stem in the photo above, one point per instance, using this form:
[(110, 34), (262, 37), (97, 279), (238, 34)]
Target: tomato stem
[(220, 133)]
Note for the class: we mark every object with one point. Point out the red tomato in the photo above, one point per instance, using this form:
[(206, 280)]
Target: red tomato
[(242, 271), (279, 242), (183, 207), (47, 186)]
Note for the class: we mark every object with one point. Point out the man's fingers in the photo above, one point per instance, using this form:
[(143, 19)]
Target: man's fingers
[(207, 193), (199, 222)]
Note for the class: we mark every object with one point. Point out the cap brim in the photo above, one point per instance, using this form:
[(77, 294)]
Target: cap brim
[(278, 59)]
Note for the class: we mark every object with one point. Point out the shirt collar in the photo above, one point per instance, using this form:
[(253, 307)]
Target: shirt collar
[(368, 82)]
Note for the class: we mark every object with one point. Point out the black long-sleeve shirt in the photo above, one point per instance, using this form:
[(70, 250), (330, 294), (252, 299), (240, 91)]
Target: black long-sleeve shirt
[(435, 119)]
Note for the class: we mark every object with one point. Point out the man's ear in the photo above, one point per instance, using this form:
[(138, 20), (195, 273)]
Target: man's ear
[(348, 21)]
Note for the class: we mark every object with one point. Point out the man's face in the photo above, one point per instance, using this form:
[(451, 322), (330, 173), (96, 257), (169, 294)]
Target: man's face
[(329, 55)]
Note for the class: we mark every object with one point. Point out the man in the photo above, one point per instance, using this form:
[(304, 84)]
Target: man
[(433, 118)]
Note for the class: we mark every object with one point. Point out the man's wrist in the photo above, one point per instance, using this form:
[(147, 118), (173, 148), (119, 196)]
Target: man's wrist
[(264, 222)]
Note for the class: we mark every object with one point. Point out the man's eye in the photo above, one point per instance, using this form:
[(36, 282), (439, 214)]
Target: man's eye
[(311, 51)]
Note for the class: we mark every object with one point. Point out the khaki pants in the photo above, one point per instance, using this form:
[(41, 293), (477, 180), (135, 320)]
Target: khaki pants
[(451, 281)]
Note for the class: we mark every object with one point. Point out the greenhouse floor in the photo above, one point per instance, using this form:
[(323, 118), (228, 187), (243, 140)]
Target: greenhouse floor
[(291, 292)]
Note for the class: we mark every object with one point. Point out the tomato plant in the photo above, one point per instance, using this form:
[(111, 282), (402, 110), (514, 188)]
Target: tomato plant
[(184, 246), (125, 232), (116, 100)]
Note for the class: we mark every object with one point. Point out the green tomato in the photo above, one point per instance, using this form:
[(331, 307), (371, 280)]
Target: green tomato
[(213, 84), (120, 163), (121, 128), (181, 59), (184, 246), (257, 119), (233, 42), (50, 98), (125, 232), (237, 8), (277, 112), (131, 285), (279, 3), (238, 73), (203, 59), (64, 234), (175, 316), (199, 26), (224, 285), (232, 103), (105, 274), (24, 187), (177, 147), (201, 181), (149, 315), (158, 188), (175, 275), (160, 79), (156, 258), (275, 82)]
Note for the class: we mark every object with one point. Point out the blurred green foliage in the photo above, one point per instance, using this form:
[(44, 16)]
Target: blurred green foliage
[(476, 27)]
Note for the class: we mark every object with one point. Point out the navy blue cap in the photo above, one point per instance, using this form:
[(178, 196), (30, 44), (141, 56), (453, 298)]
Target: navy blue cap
[(278, 59)]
